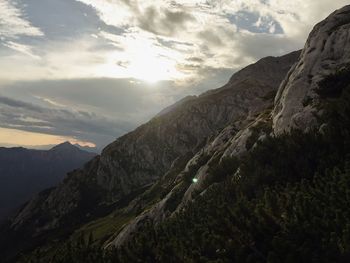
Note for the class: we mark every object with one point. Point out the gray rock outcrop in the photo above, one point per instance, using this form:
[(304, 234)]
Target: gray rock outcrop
[(326, 50)]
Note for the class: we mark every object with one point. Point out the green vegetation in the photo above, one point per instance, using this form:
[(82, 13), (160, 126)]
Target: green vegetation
[(103, 228), (262, 127), (303, 222), (334, 85)]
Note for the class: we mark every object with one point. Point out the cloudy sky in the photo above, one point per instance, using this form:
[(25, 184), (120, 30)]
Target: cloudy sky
[(90, 70)]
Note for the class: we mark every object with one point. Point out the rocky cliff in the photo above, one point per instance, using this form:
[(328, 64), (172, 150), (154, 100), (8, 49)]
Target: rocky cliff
[(326, 51)]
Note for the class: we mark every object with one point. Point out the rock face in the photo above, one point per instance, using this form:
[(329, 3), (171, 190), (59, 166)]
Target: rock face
[(327, 50), (24, 172)]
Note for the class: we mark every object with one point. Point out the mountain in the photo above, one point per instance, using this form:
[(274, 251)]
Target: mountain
[(175, 105), (49, 146), (87, 148), (24, 172), (255, 171)]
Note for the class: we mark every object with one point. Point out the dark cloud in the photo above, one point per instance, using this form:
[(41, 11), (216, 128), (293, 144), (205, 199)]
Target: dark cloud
[(174, 44), (177, 17), (19, 104), (163, 22), (121, 98), (196, 59), (210, 37), (189, 67), (123, 64)]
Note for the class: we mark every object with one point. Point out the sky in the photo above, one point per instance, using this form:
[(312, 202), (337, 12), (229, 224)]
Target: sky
[(89, 71)]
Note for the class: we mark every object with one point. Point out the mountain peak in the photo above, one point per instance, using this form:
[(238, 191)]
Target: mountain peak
[(64, 146)]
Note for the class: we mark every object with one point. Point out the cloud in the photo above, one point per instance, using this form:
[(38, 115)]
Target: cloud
[(106, 9), (76, 58), (163, 21), (14, 25), (296, 18), (13, 22), (25, 49)]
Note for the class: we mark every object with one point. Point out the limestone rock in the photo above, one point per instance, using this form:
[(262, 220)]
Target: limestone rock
[(327, 49)]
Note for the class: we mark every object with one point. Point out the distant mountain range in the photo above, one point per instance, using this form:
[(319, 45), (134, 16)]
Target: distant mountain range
[(24, 172), (49, 146)]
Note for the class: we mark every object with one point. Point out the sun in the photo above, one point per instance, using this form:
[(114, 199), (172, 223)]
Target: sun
[(146, 67), (143, 60), (150, 62), (153, 68)]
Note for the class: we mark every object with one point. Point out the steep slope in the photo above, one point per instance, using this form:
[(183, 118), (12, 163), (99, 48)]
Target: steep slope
[(326, 51), (24, 172), (135, 161), (315, 92), (175, 105)]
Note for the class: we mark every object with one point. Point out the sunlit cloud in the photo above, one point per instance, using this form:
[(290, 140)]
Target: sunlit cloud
[(142, 57), (13, 22), (106, 9), (25, 49), (205, 28), (161, 34), (60, 60)]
